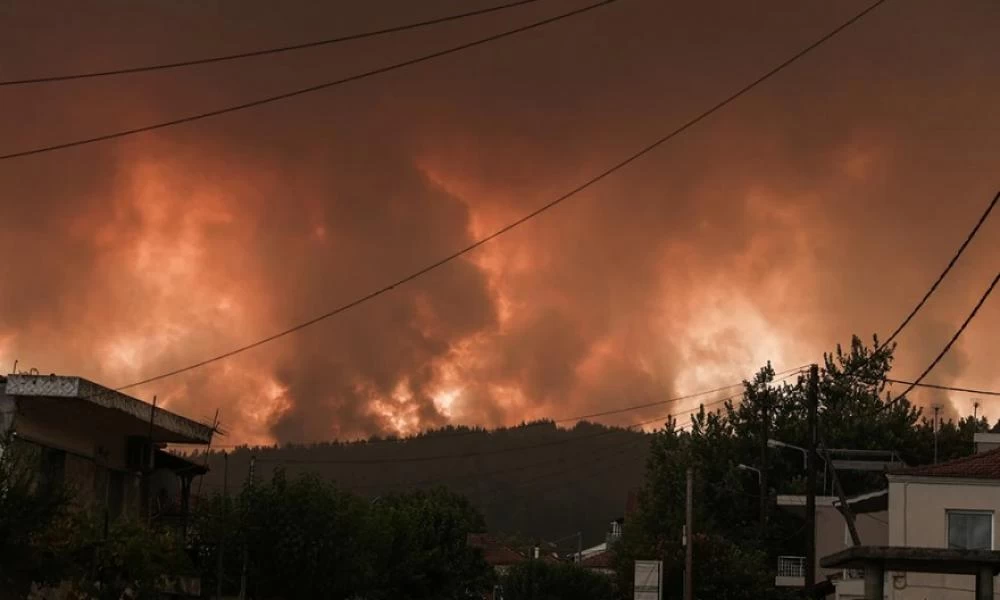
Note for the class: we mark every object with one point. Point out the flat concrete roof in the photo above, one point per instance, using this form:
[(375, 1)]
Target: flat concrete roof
[(167, 426), (800, 500), (914, 560), (865, 503)]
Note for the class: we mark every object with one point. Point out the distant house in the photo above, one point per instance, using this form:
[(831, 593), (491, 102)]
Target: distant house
[(598, 558), (106, 446), (496, 554), (947, 505), (602, 562)]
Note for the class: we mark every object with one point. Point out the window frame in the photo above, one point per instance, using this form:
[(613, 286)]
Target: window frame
[(969, 512)]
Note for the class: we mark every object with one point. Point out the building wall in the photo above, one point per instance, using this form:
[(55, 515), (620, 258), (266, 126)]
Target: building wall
[(92, 455), (82, 433), (832, 534), (918, 519)]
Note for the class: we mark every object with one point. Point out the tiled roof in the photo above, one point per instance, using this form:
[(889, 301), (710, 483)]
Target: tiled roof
[(985, 465), (495, 553), (601, 560)]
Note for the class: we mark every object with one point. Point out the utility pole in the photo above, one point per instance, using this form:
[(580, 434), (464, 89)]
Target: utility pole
[(147, 484), (222, 530), (215, 427), (812, 401), (937, 411), (246, 551), (765, 434), (689, 539)]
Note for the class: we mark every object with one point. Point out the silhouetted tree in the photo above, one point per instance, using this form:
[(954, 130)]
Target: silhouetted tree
[(540, 580)]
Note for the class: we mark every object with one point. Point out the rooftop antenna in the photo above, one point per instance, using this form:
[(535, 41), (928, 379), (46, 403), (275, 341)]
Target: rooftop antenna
[(14, 370)]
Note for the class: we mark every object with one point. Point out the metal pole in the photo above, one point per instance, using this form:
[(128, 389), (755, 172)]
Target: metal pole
[(762, 474), (215, 426), (689, 539), (812, 399), (579, 546), (225, 523), (147, 484), (246, 552)]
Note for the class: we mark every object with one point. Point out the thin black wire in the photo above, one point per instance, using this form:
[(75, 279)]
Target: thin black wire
[(947, 347), (948, 388), (587, 184), (951, 263), (787, 373), (305, 90), (266, 51)]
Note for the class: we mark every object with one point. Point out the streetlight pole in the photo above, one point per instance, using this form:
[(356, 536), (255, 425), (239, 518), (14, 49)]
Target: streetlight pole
[(805, 457), (757, 471)]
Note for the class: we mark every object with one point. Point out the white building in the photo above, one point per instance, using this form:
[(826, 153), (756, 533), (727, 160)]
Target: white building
[(948, 505)]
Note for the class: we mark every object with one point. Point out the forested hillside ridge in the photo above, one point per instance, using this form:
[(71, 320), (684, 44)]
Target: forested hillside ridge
[(536, 479)]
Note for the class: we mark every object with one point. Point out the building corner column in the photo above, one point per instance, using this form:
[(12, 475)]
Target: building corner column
[(874, 582)]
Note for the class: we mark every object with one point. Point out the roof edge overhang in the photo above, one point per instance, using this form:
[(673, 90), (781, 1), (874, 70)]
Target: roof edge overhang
[(171, 427)]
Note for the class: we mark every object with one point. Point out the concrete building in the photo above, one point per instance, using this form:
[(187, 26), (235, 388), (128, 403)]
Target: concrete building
[(107, 447), (832, 535), (951, 505)]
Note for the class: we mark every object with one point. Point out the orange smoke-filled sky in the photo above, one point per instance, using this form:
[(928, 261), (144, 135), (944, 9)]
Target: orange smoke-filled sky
[(820, 205)]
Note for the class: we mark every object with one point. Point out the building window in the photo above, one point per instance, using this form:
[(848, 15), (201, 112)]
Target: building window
[(970, 529)]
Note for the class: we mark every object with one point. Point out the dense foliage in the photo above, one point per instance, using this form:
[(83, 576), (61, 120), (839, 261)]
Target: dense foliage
[(541, 580), (305, 538), (570, 479), (32, 524), (46, 540)]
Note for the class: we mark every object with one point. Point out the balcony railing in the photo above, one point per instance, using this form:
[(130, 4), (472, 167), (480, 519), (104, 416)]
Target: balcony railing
[(791, 566)]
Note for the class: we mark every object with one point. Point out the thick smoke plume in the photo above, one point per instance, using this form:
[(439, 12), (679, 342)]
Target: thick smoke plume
[(820, 205)]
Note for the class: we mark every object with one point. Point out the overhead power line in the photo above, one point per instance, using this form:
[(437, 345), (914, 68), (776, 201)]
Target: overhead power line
[(531, 215), (947, 388), (947, 347), (306, 90), (786, 374), (265, 51), (951, 263)]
